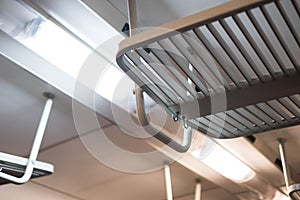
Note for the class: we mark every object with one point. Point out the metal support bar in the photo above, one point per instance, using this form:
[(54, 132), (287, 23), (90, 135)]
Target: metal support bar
[(132, 16), (251, 95), (294, 189), (286, 171), (198, 190), (168, 182), (36, 145), (187, 136)]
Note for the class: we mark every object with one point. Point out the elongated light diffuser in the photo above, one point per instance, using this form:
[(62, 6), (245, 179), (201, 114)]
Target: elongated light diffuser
[(223, 162)]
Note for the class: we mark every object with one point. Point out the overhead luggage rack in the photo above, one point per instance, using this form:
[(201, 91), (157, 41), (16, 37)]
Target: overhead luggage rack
[(229, 71)]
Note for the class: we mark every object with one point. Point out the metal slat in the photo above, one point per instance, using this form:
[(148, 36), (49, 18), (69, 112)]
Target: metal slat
[(146, 70), (141, 80), (201, 51), (258, 44), (233, 52), (283, 111), (296, 99), (165, 59), (261, 115), (256, 121), (165, 75), (283, 32), (197, 64), (244, 121), (246, 49), (219, 119), (233, 122), (204, 128), (219, 54), (163, 86), (263, 27), (290, 106), (290, 14), (297, 5), (211, 124), (178, 58), (272, 113)]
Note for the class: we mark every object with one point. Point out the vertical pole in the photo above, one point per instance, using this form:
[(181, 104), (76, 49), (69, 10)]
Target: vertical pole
[(132, 16), (198, 190), (168, 182), (41, 130), (286, 171)]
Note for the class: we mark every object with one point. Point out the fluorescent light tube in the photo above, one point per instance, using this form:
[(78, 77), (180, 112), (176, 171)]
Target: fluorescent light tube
[(57, 46), (223, 162)]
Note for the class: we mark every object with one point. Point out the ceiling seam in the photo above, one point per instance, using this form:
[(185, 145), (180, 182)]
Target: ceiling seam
[(105, 181), (191, 193), (74, 137), (137, 23), (56, 190), (117, 9)]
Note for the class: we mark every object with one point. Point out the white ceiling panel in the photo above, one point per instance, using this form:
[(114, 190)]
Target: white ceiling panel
[(143, 186), (156, 12), (75, 169), (31, 191), (147, 186), (214, 194), (22, 103), (79, 173)]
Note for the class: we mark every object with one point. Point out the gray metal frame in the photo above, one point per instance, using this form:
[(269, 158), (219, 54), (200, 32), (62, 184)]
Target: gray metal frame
[(140, 105), (246, 52)]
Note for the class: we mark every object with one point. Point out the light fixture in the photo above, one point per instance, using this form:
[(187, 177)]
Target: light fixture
[(223, 162), (43, 37), (54, 44), (58, 47)]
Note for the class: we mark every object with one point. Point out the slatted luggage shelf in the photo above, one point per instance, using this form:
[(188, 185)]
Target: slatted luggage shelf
[(229, 71)]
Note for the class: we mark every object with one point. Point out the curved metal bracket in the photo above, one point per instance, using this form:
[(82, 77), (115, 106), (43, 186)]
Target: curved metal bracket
[(35, 147), (187, 136)]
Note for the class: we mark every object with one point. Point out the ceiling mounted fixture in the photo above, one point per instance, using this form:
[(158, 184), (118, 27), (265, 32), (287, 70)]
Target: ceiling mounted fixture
[(223, 162), (43, 37), (18, 169), (58, 45)]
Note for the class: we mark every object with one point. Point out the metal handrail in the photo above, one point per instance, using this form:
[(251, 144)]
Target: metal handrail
[(159, 134)]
